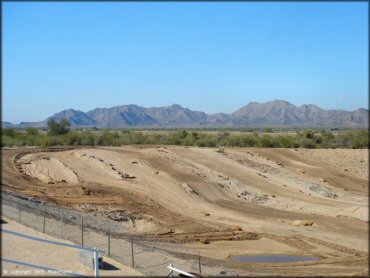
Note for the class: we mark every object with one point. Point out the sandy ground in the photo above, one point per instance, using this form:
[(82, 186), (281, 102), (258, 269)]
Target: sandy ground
[(240, 200), (356, 162), (52, 256)]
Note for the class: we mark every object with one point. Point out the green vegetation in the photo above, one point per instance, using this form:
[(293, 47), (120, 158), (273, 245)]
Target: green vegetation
[(60, 134), (60, 128)]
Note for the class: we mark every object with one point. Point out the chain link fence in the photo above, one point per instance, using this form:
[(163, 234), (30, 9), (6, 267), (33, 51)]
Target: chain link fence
[(143, 254)]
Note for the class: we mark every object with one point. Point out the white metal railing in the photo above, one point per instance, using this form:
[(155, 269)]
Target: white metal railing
[(93, 250), (186, 274)]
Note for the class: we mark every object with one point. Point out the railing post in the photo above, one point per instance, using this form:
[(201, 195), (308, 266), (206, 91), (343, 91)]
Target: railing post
[(171, 273), (96, 262)]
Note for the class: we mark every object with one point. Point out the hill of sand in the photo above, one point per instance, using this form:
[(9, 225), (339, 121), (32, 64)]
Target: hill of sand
[(292, 200)]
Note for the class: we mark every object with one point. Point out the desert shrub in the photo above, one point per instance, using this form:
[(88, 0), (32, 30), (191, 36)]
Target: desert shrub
[(307, 133), (33, 140), (287, 141), (183, 134), (248, 141), (267, 141), (269, 130), (7, 141), (222, 135), (307, 143), (174, 138), (230, 141), (327, 135), (58, 141), (360, 139), (126, 139), (10, 132), (32, 131), (137, 138), (344, 140), (125, 131), (305, 139), (87, 138), (207, 141), (152, 139), (161, 139), (98, 141), (60, 128), (317, 138), (110, 139), (195, 135), (45, 142), (190, 139), (73, 138)]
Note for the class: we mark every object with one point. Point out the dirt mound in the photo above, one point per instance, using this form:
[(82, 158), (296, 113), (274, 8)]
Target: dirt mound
[(361, 212), (48, 170), (306, 223), (348, 161), (106, 168), (188, 189)]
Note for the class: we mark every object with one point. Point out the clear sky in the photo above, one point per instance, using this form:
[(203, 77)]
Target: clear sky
[(212, 57)]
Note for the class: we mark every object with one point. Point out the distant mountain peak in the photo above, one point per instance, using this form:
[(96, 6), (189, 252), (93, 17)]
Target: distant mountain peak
[(272, 113), (175, 105)]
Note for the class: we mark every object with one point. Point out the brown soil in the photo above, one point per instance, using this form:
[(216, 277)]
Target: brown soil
[(304, 202)]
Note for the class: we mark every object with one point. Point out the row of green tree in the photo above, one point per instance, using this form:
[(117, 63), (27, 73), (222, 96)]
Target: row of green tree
[(60, 134)]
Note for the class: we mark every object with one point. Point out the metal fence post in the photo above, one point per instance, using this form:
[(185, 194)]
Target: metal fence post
[(96, 262), (200, 268), (109, 242), (132, 252), (43, 227), (82, 231), (61, 224)]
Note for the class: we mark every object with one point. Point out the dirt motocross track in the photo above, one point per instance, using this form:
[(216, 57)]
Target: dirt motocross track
[(241, 201)]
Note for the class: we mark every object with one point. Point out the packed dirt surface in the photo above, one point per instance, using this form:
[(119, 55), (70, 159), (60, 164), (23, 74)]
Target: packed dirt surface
[(48, 255), (222, 201)]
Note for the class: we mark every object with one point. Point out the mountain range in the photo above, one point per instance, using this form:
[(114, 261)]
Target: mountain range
[(273, 113)]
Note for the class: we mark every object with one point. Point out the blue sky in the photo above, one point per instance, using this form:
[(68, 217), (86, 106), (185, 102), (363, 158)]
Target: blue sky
[(212, 57)]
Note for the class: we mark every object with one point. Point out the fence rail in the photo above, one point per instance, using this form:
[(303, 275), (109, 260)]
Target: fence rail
[(93, 250), (48, 241), (43, 267)]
